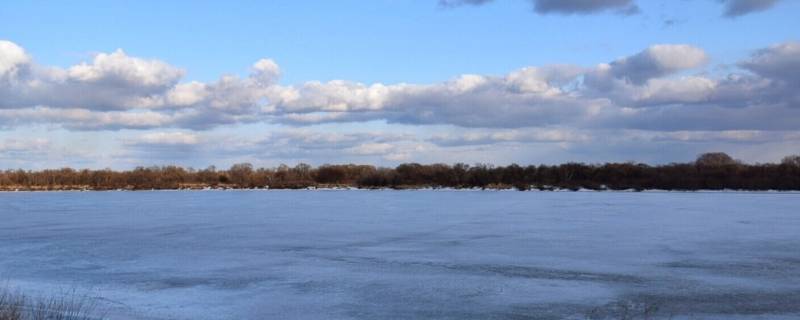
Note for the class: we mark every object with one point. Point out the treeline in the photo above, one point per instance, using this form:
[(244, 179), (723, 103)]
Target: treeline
[(713, 171)]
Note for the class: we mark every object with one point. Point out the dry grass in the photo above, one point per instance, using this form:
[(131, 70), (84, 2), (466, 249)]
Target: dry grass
[(68, 306)]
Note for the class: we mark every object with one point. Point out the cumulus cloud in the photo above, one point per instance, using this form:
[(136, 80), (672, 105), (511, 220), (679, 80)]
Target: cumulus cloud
[(12, 59), (652, 89), (265, 71), (115, 91), (735, 8), (654, 62), (690, 89), (780, 62), (112, 81), (187, 94), (527, 97), (777, 71), (119, 69), (584, 6)]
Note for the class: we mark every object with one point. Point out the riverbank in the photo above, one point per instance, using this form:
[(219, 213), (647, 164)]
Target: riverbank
[(399, 188), (700, 175)]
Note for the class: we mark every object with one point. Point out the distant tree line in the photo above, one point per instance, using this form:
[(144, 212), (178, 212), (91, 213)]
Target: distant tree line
[(712, 171)]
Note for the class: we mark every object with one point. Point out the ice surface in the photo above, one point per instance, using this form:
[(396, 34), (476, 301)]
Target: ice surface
[(409, 254)]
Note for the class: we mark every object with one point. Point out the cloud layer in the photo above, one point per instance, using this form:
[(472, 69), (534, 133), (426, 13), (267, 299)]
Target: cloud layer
[(661, 88), (661, 94)]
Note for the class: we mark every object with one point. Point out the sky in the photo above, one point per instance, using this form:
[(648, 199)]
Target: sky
[(100, 84)]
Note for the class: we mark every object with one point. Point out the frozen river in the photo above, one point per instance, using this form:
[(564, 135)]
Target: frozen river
[(409, 254)]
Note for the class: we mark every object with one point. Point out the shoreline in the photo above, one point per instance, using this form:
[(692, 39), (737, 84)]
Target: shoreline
[(710, 172), (437, 189)]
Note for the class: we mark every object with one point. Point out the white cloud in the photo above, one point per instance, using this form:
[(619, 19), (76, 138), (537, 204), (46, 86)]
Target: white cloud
[(481, 137), (779, 62), (84, 119), (166, 138), (12, 59), (265, 71), (690, 89), (24, 145), (656, 61), (546, 81), (333, 96), (528, 97), (117, 91), (119, 69), (187, 94), (371, 149)]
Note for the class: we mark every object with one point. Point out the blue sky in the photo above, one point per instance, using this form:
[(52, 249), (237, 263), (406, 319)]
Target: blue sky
[(375, 41), (426, 45)]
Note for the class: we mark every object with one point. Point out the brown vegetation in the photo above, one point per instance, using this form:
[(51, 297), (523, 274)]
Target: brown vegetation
[(70, 306), (713, 171)]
